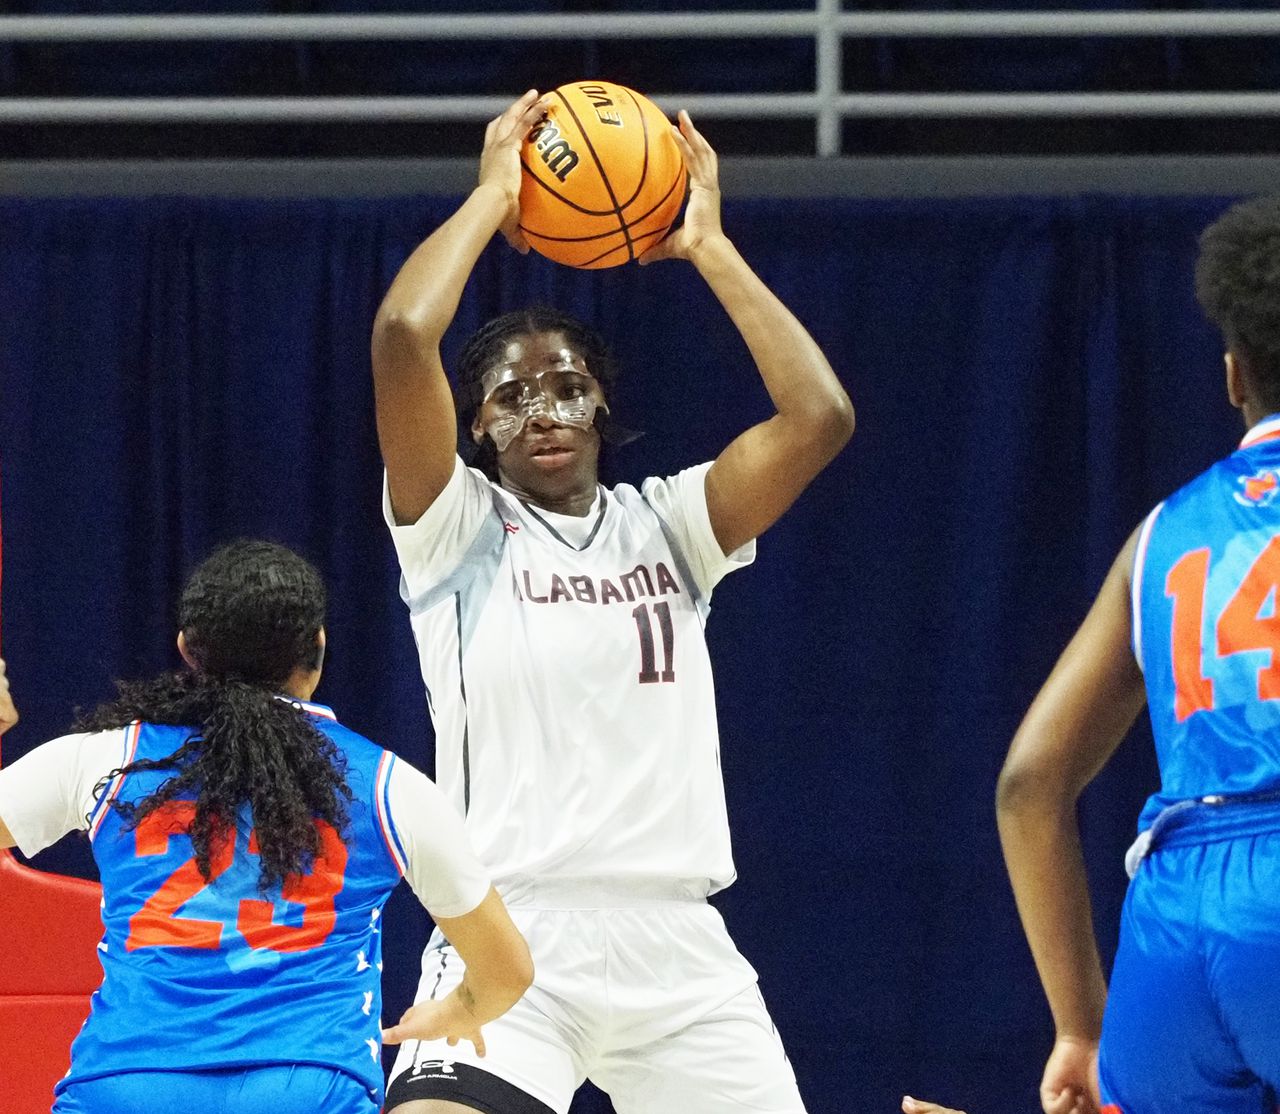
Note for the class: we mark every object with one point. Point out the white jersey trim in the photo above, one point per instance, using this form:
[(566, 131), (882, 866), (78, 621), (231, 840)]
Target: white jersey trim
[(321, 710), (598, 509), (383, 807), (1135, 587), (130, 749), (1265, 430)]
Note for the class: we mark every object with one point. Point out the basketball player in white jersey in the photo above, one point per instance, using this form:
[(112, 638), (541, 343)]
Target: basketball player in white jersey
[(560, 629)]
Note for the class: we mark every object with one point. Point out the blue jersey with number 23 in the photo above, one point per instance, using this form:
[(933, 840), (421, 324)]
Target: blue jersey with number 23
[(213, 973)]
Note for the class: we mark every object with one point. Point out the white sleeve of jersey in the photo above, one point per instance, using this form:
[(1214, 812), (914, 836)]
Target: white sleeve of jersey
[(49, 791), (681, 501), (431, 548), (442, 868)]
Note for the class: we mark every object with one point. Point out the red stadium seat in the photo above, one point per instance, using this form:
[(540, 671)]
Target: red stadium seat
[(50, 926)]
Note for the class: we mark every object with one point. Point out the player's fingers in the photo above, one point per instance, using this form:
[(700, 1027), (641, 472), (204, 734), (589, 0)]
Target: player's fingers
[(515, 237), (511, 119), (701, 164), (531, 115), (695, 138), (451, 1041), (1060, 1102), (686, 152), (521, 103), (664, 249), (917, 1106), (394, 1035), (689, 132), (478, 1041), (1093, 1091), (8, 712)]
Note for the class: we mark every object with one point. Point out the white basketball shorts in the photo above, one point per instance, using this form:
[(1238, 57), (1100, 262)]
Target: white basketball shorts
[(652, 1002)]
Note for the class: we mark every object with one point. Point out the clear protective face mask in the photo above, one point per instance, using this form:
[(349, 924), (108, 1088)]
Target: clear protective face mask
[(562, 394)]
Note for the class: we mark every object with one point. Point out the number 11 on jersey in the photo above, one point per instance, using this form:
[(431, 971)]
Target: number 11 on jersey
[(644, 625)]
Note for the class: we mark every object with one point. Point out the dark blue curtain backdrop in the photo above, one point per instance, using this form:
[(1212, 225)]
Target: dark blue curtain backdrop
[(1030, 377)]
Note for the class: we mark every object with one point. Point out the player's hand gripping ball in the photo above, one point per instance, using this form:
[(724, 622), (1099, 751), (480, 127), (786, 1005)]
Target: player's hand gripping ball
[(602, 178)]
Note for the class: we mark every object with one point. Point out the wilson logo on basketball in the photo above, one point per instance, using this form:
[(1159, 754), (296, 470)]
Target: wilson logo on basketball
[(554, 149)]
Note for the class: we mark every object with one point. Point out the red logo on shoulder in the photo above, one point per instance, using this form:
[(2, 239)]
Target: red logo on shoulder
[(1259, 490)]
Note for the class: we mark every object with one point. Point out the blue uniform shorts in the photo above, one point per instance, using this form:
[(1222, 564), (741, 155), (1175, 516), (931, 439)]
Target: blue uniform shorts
[(1193, 1015), (277, 1089)]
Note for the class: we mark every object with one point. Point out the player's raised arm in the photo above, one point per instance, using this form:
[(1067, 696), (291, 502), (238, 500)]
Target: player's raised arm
[(1070, 731), (764, 470), (417, 429)]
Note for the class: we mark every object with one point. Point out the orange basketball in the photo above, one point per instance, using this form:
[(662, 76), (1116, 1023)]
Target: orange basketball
[(603, 179)]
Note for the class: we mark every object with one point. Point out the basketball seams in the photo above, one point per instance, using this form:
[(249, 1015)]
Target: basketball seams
[(631, 223), (595, 260), (637, 240), (561, 197), (678, 180), (644, 130), (604, 177)]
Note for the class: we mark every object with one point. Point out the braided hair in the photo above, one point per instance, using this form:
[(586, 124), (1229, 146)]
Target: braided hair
[(484, 348), (250, 615), (1238, 285)]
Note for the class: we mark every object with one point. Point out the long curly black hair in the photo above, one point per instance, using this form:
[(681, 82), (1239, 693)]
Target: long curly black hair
[(1238, 284), (250, 615), (486, 346)]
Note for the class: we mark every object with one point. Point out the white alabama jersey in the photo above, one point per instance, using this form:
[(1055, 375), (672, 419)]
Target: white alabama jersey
[(569, 682)]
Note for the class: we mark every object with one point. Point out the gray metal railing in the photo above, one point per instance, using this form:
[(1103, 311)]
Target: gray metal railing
[(827, 25)]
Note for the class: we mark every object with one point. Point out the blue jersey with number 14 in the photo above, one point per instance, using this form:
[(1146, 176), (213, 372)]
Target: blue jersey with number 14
[(213, 973), (1207, 626)]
